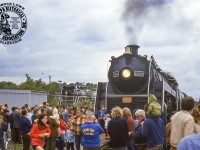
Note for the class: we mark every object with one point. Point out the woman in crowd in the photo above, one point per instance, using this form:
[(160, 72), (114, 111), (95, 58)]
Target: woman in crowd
[(131, 126), (196, 115), (118, 130), (55, 132), (39, 132)]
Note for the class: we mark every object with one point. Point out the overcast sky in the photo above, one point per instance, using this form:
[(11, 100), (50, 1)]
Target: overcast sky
[(74, 40)]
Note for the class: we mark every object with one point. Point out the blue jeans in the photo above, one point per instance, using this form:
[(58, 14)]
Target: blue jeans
[(60, 142), (78, 139)]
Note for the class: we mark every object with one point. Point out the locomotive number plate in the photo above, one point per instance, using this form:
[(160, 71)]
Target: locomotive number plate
[(139, 73), (116, 74), (127, 100)]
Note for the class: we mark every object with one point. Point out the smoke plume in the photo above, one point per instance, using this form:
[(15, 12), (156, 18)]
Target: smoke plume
[(138, 13)]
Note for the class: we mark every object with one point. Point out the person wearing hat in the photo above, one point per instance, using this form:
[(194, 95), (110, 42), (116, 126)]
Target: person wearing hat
[(154, 108)]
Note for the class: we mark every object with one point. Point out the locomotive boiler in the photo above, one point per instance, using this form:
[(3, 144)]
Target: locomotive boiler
[(131, 78)]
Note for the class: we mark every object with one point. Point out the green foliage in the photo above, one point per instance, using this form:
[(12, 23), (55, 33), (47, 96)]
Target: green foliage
[(52, 89), (8, 85), (84, 103), (28, 85), (52, 100), (91, 86)]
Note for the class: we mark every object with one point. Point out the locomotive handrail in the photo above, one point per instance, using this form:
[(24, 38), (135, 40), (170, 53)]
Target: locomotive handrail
[(149, 77), (107, 85), (114, 95), (163, 95)]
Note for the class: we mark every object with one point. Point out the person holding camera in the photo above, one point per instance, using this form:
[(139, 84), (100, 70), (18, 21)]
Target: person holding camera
[(40, 132)]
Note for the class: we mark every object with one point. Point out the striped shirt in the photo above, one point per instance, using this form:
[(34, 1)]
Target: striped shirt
[(77, 122)]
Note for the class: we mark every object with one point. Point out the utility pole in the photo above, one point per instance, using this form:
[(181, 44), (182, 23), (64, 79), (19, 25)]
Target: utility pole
[(48, 76)]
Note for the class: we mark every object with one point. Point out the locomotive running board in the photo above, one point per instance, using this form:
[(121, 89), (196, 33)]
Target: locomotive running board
[(114, 95)]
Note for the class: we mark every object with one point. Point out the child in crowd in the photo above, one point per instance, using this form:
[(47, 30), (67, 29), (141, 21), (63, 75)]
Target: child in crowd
[(154, 108), (60, 140), (70, 139), (107, 119), (56, 115), (57, 118)]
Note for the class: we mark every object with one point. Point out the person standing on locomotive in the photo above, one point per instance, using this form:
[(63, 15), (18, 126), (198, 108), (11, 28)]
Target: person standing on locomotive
[(101, 115)]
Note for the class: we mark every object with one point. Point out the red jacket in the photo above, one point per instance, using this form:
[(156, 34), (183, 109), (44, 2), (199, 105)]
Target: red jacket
[(63, 126), (35, 139)]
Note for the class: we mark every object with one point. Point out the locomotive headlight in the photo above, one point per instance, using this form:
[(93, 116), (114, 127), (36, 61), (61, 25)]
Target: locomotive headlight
[(126, 73)]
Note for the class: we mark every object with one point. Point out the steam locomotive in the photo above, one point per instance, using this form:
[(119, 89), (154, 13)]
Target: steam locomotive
[(132, 78), (73, 90)]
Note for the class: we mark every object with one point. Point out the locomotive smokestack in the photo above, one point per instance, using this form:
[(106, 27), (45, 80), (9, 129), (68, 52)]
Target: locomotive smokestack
[(131, 49)]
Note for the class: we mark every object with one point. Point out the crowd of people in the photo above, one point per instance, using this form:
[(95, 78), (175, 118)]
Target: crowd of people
[(43, 127)]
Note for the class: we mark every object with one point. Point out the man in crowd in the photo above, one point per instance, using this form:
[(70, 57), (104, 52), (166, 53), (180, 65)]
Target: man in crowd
[(90, 133), (16, 126), (139, 141), (190, 142), (77, 121), (154, 130), (25, 125), (182, 123)]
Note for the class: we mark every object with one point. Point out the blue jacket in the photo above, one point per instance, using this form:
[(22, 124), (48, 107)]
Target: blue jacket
[(190, 142), (102, 113), (154, 130), (65, 117), (25, 125), (90, 134), (69, 137)]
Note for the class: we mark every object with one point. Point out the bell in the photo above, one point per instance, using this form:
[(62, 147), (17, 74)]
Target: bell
[(127, 50)]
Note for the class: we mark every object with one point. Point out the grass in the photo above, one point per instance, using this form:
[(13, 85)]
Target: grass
[(104, 144)]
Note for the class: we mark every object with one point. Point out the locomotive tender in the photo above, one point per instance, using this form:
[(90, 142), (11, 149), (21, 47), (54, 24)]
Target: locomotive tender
[(132, 78)]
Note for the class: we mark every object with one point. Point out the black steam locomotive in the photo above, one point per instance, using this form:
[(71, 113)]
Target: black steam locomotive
[(73, 90), (132, 78)]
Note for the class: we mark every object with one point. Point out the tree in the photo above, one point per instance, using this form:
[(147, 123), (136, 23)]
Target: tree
[(52, 88), (8, 85), (91, 86), (28, 85)]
